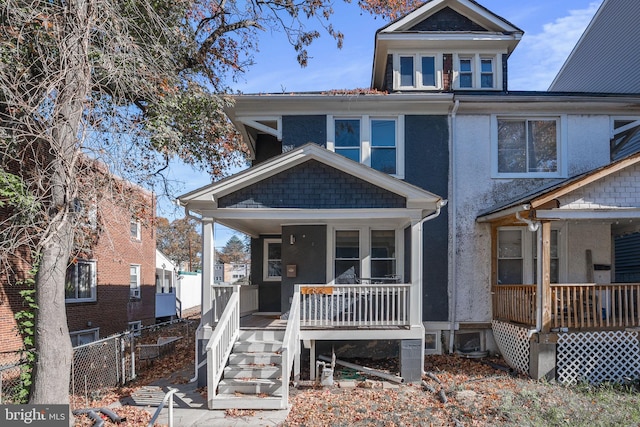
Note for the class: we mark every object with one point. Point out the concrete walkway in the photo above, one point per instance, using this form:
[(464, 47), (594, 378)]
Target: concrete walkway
[(190, 408)]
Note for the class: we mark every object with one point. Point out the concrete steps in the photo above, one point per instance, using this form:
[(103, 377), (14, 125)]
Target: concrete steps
[(252, 378)]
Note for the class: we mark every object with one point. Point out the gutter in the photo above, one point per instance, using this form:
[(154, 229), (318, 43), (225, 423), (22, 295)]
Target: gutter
[(454, 232)]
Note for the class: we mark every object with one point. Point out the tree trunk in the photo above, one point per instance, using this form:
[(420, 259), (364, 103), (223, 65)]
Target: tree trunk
[(53, 345)]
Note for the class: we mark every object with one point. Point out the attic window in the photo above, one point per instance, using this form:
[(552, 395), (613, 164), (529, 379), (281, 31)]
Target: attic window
[(476, 71), (417, 71)]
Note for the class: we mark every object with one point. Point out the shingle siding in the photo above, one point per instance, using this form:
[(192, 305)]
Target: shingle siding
[(299, 130), (447, 20), (619, 190), (312, 185)]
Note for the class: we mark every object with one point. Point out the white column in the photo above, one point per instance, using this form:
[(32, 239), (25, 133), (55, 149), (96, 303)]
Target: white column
[(207, 270), (415, 303)]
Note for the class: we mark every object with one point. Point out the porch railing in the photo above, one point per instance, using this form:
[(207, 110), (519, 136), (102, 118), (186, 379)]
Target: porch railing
[(221, 342), (589, 305), (354, 305), (515, 303), (291, 348), (220, 294), (595, 306)]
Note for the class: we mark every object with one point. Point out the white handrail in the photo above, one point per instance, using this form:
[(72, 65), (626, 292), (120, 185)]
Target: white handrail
[(291, 348), (168, 396), (221, 343)]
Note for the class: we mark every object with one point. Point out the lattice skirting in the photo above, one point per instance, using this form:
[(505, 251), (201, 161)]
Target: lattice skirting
[(596, 357), (513, 342)]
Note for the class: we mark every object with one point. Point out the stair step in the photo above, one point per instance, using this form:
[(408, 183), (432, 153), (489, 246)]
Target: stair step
[(257, 346), (251, 386), (261, 335), (242, 401), (252, 371), (255, 358)]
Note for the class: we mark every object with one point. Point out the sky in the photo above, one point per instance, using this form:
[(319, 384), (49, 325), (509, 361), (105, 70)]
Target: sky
[(551, 30)]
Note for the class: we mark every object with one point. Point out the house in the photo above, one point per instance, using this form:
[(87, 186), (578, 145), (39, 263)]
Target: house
[(232, 272), (115, 274), (167, 306), (438, 210)]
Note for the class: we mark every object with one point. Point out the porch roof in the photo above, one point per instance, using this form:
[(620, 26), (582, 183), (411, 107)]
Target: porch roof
[(554, 201), (212, 201)]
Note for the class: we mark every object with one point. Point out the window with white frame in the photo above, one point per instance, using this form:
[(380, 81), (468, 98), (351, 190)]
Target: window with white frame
[(517, 256), (365, 253), (134, 281), (374, 141), (134, 229), (135, 327), (417, 71), (528, 147), (272, 266), (84, 337), (80, 281), (476, 71)]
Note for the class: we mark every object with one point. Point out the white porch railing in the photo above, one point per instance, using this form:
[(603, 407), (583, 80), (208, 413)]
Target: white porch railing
[(354, 305), (248, 299), (291, 348), (224, 336), (221, 294)]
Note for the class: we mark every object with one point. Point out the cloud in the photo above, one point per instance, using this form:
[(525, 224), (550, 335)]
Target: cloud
[(538, 58)]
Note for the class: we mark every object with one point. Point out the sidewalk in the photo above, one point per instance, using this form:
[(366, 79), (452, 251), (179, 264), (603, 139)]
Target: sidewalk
[(190, 408)]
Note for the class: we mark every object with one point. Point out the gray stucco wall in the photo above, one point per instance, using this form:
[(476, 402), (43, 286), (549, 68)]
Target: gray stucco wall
[(427, 165)]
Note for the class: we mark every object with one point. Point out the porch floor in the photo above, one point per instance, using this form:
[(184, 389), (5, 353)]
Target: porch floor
[(262, 321)]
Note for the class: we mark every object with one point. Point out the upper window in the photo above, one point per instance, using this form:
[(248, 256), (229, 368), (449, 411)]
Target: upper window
[(528, 147), (417, 71), (80, 283), (134, 281), (475, 71), (134, 228), (272, 260), (373, 141)]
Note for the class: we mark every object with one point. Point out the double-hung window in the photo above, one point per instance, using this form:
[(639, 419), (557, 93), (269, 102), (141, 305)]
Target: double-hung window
[(528, 147), (80, 282), (272, 260), (466, 72), (134, 281), (365, 253), (84, 337), (517, 256), (476, 71), (134, 229), (417, 71), (486, 73), (373, 141)]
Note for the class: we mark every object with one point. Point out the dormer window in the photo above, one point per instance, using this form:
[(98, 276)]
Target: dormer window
[(417, 71), (476, 71)]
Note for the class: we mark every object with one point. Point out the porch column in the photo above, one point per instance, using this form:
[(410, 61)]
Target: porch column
[(207, 272), (545, 290), (415, 302)]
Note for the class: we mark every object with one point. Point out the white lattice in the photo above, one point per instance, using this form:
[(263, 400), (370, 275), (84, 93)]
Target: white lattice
[(513, 342), (596, 357)]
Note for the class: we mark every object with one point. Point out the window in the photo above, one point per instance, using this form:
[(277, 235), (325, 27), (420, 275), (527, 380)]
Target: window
[(135, 229), (84, 337), (80, 282), (466, 73), (517, 256), (134, 281), (486, 73), (135, 327), (528, 147), (373, 141), (417, 71), (272, 260), (365, 253)]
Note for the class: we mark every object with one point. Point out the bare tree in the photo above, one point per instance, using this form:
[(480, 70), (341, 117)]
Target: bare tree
[(96, 91)]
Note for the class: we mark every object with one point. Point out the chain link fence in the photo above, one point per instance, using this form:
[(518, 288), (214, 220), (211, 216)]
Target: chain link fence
[(11, 365)]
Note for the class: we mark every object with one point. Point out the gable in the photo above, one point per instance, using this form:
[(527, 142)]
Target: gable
[(447, 19), (312, 185)]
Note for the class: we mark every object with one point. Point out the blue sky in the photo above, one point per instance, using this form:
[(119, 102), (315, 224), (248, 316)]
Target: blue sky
[(552, 27)]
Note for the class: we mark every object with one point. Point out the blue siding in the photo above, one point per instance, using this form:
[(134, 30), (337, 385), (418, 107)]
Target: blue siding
[(427, 166), (300, 130)]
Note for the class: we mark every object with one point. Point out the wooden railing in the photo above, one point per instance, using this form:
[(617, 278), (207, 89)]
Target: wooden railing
[(595, 306), (515, 303), (354, 305), (583, 306), (291, 348), (221, 342), (220, 295)]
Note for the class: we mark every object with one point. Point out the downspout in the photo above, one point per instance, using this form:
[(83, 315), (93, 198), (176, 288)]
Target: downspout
[(454, 224)]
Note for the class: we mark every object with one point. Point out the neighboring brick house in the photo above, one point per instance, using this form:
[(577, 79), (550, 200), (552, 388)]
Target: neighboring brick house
[(111, 285)]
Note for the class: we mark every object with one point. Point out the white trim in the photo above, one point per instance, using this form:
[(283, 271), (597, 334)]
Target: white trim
[(134, 291), (265, 261), (561, 146), (417, 68), (138, 234), (92, 279), (476, 69), (254, 122)]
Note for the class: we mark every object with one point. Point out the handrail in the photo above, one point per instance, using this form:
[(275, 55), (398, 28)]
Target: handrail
[(291, 347), (221, 343), (167, 397)]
